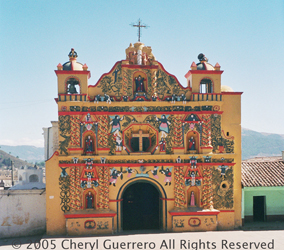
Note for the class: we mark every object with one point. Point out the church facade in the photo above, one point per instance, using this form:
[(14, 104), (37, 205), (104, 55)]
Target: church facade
[(139, 151)]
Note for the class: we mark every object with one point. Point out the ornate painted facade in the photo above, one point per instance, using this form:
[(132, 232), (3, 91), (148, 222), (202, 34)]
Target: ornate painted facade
[(139, 151)]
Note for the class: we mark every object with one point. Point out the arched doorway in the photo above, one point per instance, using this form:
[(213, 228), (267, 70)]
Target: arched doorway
[(140, 207)]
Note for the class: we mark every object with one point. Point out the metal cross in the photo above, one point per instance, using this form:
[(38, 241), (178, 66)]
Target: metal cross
[(139, 25)]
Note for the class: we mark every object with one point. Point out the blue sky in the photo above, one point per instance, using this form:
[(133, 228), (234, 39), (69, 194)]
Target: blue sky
[(245, 37)]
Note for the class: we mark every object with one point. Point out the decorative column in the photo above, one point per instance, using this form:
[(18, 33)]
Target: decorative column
[(72, 189), (103, 197), (77, 189), (75, 131), (179, 188), (207, 192), (206, 131), (103, 131)]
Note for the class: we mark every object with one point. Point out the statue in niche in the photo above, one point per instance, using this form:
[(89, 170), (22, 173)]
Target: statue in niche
[(89, 145), (192, 143), (89, 200), (192, 200), (71, 83), (139, 82)]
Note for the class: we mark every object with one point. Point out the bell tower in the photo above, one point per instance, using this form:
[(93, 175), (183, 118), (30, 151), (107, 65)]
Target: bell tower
[(72, 79), (203, 78)]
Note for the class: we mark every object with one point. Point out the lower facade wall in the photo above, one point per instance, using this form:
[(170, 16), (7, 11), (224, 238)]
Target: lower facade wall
[(22, 213)]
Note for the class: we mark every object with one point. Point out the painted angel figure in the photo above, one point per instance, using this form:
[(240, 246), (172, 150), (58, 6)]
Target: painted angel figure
[(118, 143), (155, 172), (164, 125), (114, 174), (223, 169), (115, 124), (168, 175), (129, 171)]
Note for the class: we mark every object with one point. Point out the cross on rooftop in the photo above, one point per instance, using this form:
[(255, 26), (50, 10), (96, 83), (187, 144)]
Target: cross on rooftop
[(139, 25)]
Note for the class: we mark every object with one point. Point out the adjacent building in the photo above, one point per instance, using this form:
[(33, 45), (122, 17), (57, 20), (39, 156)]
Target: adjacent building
[(263, 189)]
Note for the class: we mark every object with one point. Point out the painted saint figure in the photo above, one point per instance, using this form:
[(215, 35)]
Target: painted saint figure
[(164, 125), (191, 143), (162, 145), (192, 199), (192, 175), (139, 82), (89, 200), (116, 125), (118, 143), (89, 145), (88, 118)]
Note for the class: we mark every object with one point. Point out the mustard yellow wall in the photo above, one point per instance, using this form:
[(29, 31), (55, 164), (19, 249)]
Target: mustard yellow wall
[(62, 78), (231, 122), (55, 220), (195, 80)]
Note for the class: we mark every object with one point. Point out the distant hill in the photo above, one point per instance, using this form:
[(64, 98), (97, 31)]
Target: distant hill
[(5, 160), (27, 153), (261, 144)]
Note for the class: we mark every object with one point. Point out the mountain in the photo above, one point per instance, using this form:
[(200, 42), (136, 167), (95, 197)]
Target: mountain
[(261, 144), (27, 153), (5, 160)]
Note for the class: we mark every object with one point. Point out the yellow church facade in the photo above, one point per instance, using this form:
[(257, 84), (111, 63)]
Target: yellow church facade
[(137, 150)]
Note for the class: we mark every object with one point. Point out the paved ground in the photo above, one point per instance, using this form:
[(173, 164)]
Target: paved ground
[(262, 235)]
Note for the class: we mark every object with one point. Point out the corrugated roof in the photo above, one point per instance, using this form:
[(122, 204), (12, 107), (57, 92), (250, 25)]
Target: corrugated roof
[(263, 172)]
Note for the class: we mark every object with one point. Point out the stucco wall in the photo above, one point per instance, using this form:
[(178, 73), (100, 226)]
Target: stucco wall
[(22, 212), (274, 199)]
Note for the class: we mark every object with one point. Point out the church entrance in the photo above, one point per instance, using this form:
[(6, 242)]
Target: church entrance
[(140, 207)]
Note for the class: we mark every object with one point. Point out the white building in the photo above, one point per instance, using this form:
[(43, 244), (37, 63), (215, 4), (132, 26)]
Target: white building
[(29, 178), (50, 135)]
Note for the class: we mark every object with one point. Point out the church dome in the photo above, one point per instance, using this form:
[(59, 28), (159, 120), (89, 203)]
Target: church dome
[(225, 88), (73, 64)]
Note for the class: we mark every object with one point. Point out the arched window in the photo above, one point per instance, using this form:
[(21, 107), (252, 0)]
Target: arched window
[(206, 86), (33, 178)]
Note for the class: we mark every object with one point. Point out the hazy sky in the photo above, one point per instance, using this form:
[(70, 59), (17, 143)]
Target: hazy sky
[(245, 37)]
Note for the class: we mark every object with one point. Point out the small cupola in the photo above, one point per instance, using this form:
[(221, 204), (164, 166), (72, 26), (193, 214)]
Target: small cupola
[(73, 64)]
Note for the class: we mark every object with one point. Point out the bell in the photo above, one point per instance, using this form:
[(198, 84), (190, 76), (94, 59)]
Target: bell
[(72, 89)]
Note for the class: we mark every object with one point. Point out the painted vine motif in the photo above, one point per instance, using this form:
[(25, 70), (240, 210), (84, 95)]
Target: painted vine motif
[(223, 188), (64, 128), (112, 84), (64, 183), (217, 139)]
